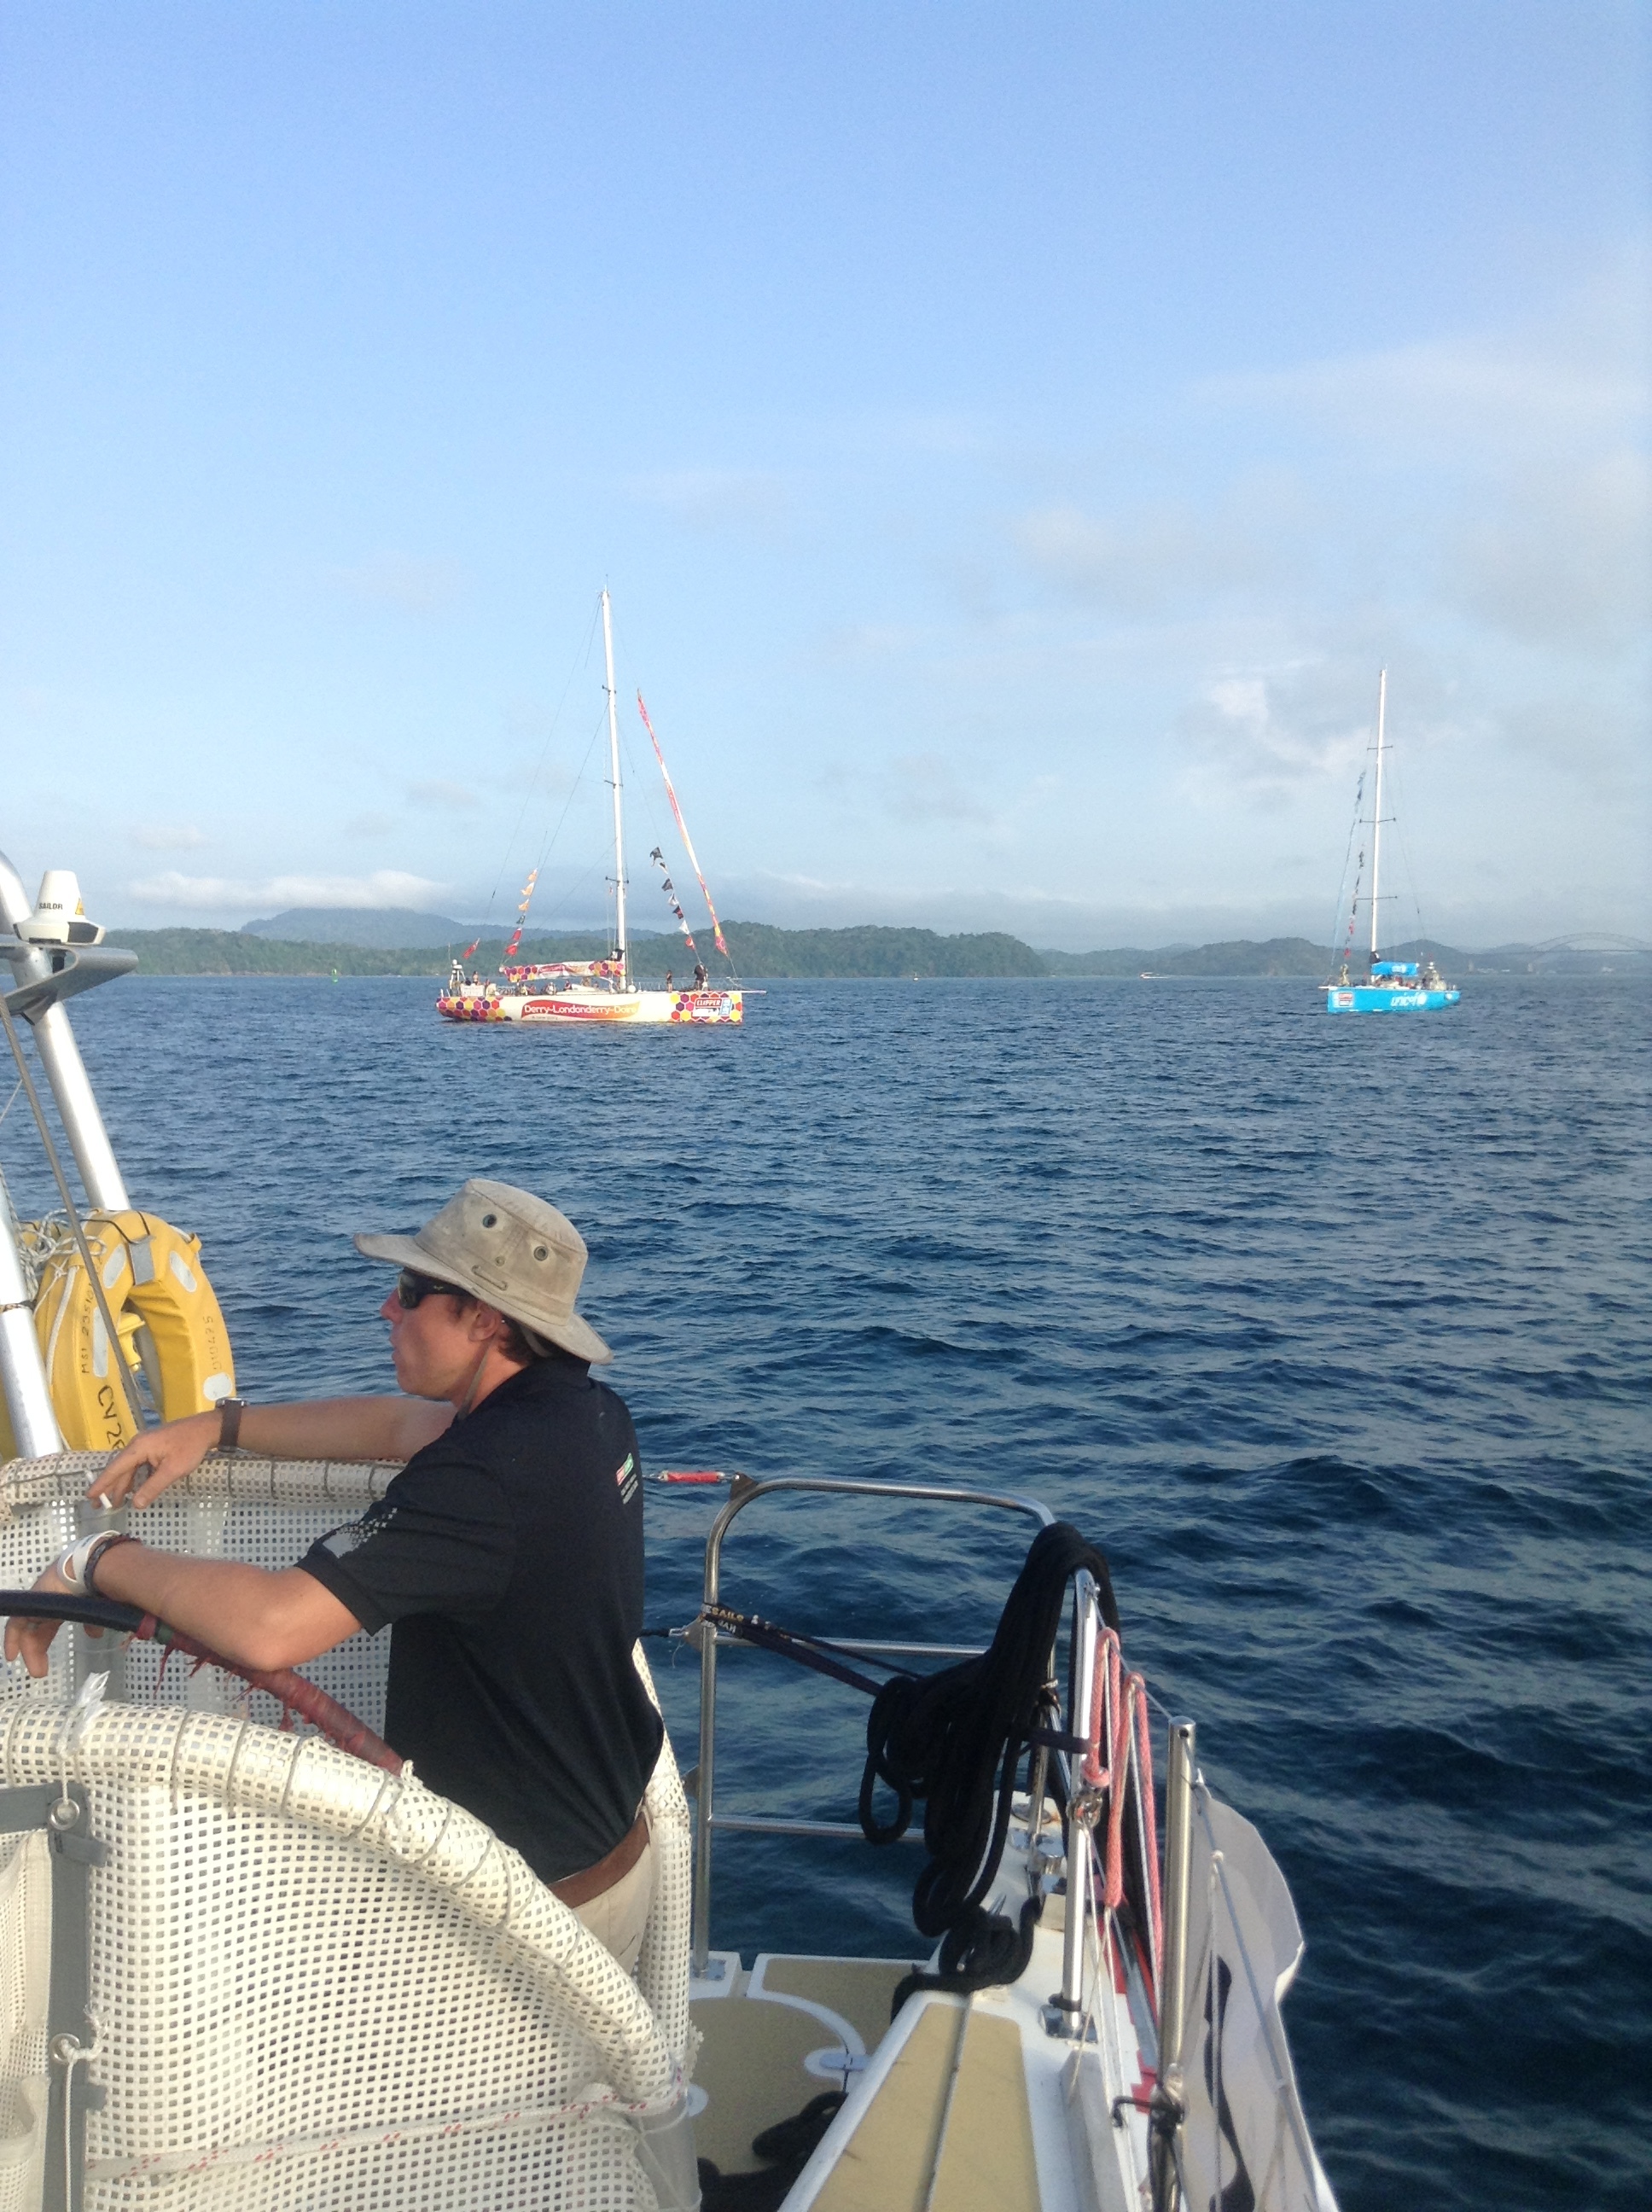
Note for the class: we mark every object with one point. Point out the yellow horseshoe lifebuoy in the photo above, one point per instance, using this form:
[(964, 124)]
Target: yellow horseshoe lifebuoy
[(156, 1288)]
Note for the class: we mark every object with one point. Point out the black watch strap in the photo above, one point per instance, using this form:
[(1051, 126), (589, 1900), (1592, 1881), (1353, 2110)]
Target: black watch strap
[(105, 1545), (229, 1421)]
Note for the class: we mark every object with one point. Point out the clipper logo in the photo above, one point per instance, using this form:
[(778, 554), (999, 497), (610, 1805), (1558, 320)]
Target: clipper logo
[(345, 1539), (626, 1476)]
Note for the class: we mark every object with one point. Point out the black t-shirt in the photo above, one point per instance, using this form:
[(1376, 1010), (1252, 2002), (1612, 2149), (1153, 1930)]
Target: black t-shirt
[(508, 1554)]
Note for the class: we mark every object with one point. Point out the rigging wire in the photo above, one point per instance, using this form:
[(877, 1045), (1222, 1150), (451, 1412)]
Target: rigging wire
[(581, 659), (1353, 829), (642, 782), (1398, 820), (550, 844), (639, 783), (575, 890)]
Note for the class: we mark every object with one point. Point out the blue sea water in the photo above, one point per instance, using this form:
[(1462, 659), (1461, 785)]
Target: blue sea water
[(1334, 1334)]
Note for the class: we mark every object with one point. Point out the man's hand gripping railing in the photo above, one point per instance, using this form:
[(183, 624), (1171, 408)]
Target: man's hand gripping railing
[(292, 1691)]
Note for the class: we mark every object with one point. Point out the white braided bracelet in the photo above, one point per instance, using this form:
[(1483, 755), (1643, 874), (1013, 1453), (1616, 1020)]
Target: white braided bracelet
[(74, 1566)]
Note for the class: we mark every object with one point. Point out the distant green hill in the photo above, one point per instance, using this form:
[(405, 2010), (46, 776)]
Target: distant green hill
[(761, 952), (380, 929), (1278, 956), (231, 952)]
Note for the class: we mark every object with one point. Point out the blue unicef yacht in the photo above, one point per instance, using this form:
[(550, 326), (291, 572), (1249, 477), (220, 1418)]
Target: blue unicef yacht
[(1388, 987)]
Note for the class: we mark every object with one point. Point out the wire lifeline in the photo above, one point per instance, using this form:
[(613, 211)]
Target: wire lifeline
[(811, 1652)]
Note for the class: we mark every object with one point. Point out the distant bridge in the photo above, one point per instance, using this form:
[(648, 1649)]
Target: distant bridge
[(1591, 941)]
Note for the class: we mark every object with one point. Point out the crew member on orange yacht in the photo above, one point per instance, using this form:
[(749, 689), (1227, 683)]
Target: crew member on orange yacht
[(505, 1558)]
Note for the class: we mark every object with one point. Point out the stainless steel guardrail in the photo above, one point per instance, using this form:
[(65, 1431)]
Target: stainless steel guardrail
[(707, 1819)]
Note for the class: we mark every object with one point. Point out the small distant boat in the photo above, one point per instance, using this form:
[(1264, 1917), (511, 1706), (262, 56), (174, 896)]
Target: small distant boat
[(1390, 987), (544, 993)]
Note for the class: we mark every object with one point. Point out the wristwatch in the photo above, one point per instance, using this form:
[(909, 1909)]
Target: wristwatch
[(229, 1412)]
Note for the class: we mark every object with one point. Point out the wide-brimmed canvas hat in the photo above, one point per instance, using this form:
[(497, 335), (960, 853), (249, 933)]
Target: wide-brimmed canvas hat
[(509, 1248)]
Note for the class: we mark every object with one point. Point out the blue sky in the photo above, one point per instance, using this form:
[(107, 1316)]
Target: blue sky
[(1013, 440)]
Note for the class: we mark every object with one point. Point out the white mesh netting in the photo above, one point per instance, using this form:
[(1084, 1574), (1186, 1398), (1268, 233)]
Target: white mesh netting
[(268, 1512), (314, 1984), (25, 1987)]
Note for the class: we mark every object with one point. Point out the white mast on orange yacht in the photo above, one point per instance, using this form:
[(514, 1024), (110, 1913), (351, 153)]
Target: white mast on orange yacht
[(614, 778)]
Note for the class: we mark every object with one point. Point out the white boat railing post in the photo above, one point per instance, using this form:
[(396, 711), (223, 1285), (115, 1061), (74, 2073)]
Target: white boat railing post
[(699, 1953), (705, 1778), (1169, 2105), (1069, 2006), (65, 1071), (22, 1371)]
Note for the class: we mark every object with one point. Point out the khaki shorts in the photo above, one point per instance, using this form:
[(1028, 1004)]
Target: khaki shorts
[(619, 1916)]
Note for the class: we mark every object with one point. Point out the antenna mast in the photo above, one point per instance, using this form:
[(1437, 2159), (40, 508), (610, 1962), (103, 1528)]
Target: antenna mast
[(614, 778), (1376, 809)]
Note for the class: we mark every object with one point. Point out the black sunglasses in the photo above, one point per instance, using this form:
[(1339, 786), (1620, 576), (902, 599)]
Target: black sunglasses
[(412, 1289)]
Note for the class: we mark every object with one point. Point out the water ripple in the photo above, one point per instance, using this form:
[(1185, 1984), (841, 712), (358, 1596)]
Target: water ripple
[(1334, 1333)]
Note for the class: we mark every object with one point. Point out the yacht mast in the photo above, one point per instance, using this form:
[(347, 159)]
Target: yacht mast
[(614, 778), (1376, 809)]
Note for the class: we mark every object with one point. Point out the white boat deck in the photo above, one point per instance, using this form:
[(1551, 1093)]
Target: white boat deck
[(956, 2107)]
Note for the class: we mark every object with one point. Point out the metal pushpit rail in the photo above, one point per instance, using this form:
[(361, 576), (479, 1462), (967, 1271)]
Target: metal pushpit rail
[(706, 1818)]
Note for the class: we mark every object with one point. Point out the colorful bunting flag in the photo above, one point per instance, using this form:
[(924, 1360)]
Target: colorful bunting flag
[(522, 904), (671, 793)]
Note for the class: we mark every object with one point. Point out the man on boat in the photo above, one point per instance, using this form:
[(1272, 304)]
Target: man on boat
[(507, 1553)]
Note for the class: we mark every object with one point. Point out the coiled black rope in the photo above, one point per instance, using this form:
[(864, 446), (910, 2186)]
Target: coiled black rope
[(955, 1740)]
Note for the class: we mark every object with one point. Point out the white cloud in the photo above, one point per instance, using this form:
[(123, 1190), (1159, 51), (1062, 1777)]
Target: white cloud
[(927, 787), (866, 641), (384, 887), (738, 502), (1593, 740), (1578, 374), (1264, 733), (161, 837), (397, 580), (1565, 556), (1461, 384), (443, 796), (1137, 564)]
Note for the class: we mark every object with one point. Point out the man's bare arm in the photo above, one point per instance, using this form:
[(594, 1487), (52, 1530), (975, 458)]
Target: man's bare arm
[(258, 1618), (392, 1428)]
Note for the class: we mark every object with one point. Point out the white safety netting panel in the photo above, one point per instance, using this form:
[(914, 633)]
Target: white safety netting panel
[(266, 1512), (25, 1988), (314, 1984)]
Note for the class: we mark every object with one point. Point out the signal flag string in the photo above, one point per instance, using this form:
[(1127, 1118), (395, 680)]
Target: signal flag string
[(671, 793), (522, 904)]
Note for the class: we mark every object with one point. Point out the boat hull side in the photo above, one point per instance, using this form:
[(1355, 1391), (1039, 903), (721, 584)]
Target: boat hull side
[(606, 1009), (1370, 999)]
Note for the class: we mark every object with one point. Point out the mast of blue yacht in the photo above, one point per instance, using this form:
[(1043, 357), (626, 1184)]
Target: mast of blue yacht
[(614, 778), (1376, 809)]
